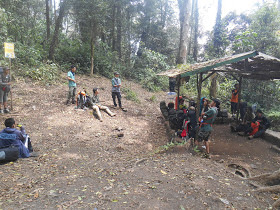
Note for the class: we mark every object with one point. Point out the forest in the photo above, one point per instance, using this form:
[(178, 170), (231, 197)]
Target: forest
[(138, 38)]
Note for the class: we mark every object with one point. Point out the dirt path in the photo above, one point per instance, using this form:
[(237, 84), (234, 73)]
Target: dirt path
[(83, 164)]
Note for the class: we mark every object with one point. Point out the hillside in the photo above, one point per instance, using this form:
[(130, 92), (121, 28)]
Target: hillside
[(84, 164)]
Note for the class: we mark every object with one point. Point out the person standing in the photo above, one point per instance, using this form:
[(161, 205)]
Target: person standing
[(116, 90), (72, 85), (234, 99), (206, 126), (5, 87)]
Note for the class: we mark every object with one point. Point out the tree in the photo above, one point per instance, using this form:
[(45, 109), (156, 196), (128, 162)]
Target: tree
[(58, 25), (48, 19), (217, 47), (185, 11)]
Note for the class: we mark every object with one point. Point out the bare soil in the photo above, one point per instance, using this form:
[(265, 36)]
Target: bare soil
[(84, 164)]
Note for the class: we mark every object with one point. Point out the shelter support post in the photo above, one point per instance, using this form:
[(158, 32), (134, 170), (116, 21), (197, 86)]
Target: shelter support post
[(199, 86), (178, 91)]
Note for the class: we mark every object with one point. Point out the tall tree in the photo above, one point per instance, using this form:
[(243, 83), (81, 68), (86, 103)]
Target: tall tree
[(58, 25), (185, 12), (217, 47), (48, 19), (196, 23)]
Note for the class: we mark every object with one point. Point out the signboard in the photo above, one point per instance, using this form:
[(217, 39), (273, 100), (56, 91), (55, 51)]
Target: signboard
[(9, 50)]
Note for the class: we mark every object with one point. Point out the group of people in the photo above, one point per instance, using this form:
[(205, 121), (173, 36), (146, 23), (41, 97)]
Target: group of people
[(84, 100), (183, 120), (11, 136), (252, 125)]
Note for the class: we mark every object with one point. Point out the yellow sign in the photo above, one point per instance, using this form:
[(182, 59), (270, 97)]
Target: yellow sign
[(9, 50)]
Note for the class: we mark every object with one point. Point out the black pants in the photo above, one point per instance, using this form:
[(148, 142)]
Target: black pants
[(233, 107), (118, 95)]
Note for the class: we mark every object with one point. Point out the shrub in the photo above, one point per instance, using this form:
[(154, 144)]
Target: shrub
[(131, 95)]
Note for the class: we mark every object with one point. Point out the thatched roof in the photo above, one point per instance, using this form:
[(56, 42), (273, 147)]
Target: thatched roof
[(259, 66)]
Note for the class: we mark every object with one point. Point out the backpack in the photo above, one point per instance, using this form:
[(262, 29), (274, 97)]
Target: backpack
[(10, 153), (82, 99)]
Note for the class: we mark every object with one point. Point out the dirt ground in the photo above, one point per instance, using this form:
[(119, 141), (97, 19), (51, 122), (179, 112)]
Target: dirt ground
[(83, 164)]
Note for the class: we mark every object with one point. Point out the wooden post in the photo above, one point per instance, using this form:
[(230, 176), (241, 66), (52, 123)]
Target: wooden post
[(199, 86), (178, 93)]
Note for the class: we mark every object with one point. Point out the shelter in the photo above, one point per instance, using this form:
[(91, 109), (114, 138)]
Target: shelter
[(251, 65)]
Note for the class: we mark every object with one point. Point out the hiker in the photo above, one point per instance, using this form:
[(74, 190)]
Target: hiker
[(172, 116), (264, 124), (234, 99), (96, 106), (116, 90), (182, 105), (192, 122), (206, 126), (252, 129), (82, 100), (12, 136), (5, 87), (72, 85), (246, 121)]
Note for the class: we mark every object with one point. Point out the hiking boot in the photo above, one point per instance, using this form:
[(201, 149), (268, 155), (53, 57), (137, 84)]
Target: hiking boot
[(241, 134), (1, 111), (123, 109), (34, 154), (6, 110), (206, 155), (250, 137), (196, 149)]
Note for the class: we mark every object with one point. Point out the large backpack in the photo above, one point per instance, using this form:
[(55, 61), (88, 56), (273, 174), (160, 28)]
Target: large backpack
[(82, 99), (10, 153)]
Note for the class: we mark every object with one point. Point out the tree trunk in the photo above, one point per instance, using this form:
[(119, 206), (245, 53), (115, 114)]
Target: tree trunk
[(58, 24), (119, 29), (48, 19), (91, 56), (185, 11), (196, 19), (113, 40), (217, 30), (213, 87)]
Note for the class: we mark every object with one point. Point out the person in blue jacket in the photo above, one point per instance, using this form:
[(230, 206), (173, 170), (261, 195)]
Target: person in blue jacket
[(12, 136)]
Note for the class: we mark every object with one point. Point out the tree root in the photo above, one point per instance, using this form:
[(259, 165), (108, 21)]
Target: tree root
[(276, 204), (268, 179), (277, 149), (274, 188)]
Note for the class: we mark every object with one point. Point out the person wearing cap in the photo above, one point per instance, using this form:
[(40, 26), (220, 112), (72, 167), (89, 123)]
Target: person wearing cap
[(72, 85), (263, 124), (5, 87), (116, 90), (206, 126), (96, 106)]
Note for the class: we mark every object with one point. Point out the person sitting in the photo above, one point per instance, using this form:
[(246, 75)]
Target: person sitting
[(18, 138), (246, 121), (264, 124), (182, 105), (96, 106)]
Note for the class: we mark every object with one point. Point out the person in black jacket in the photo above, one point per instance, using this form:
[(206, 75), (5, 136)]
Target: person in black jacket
[(264, 124)]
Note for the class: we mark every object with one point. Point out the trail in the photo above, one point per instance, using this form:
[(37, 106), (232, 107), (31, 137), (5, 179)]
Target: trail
[(84, 164)]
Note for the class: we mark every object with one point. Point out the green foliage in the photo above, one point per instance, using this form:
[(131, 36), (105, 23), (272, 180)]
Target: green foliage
[(74, 52), (145, 69), (28, 55), (130, 95), (47, 73), (274, 117), (3, 25)]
